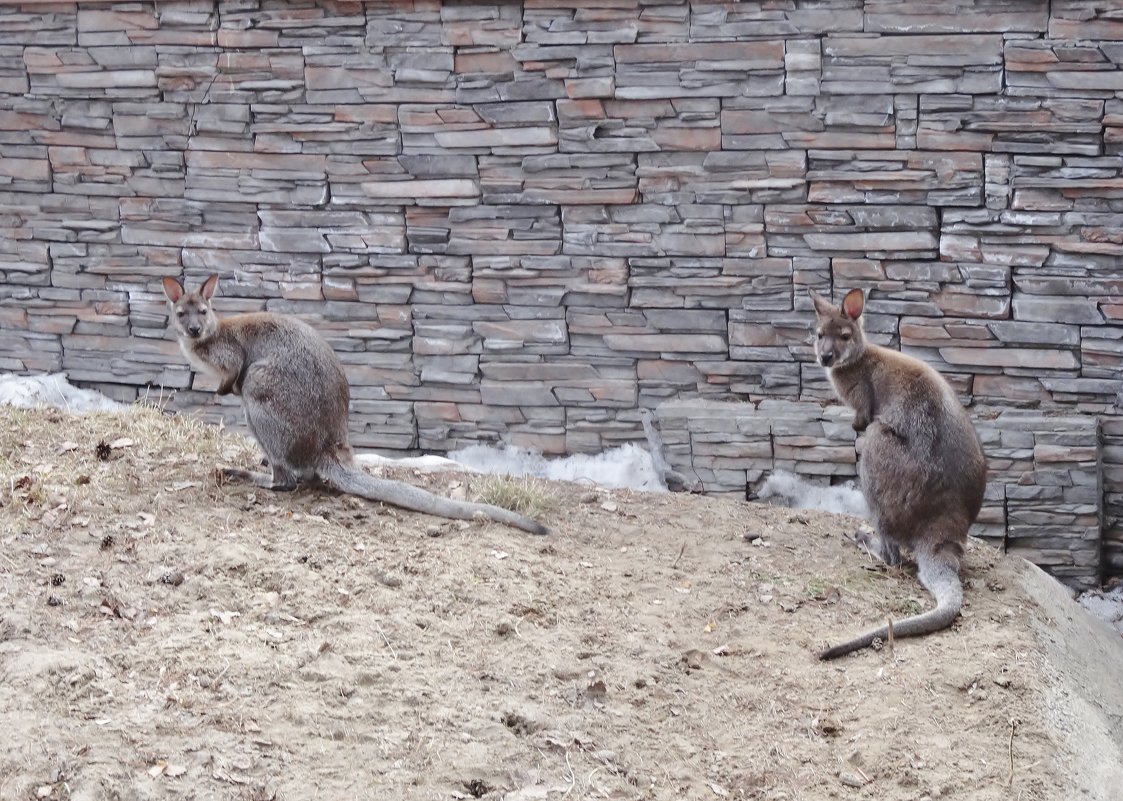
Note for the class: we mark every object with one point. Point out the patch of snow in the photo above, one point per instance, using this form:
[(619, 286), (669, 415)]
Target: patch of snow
[(1107, 605), (428, 462), (787, 489), (31, 391), (625, 467)]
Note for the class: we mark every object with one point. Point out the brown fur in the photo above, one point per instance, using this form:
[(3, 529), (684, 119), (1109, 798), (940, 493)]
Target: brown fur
[(295, 397), (922, 469)]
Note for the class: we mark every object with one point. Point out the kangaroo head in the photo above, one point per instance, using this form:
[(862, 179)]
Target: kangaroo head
[(191, 311), (839, 339)]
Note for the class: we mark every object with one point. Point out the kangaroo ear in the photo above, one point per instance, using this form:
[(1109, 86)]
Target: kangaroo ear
[(853, 304), (173, 289), (822, 306), (207, 290)]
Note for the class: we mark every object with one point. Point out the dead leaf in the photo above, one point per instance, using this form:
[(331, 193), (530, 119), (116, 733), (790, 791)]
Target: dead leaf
[(831, 595), (180, 486), (301, 516), (226, 617)]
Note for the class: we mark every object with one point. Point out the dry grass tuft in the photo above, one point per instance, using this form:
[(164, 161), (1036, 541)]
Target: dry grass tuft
[(527, 496), (56, 465)]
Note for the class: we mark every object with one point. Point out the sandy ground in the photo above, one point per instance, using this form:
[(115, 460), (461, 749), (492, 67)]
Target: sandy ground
[(165, 636)]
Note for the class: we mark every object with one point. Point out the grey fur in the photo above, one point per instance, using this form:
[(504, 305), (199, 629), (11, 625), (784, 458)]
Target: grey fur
[(295, 397), (922, 471)]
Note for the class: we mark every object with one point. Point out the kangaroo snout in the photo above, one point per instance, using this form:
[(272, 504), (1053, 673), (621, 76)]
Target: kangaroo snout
[(826, 359), (194, 330)]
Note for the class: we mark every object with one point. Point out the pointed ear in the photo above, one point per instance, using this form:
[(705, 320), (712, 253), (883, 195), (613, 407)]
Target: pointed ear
[(853, 304), (822, 306), (173, 289), (207, 290)]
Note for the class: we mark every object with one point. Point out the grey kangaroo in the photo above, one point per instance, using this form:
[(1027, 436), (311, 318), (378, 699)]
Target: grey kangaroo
[(922, 471), (295, 396)]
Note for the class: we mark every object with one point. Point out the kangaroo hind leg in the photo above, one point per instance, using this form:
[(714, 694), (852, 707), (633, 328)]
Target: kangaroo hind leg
[(272, 437)]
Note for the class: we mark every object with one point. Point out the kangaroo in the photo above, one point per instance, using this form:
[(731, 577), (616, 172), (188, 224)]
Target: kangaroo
[(922, 470), (295, 397)]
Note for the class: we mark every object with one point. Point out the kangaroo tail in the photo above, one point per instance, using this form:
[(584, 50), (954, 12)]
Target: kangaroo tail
[(354, 481), (939, 573)]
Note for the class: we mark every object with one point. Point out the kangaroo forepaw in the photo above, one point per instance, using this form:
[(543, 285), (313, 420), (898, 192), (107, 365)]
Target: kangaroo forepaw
[(878, 547)]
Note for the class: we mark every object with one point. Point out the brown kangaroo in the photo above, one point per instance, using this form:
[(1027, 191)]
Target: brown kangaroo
[(922, 471), (295, 397)]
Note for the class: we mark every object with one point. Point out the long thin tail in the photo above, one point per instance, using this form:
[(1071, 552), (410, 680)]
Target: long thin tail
[(940, 576), (354, 481)]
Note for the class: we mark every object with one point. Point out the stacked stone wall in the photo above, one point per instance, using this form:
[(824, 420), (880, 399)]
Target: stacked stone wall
[(526, 221)]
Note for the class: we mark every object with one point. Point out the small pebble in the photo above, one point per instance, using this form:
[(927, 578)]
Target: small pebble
[(172, 578)]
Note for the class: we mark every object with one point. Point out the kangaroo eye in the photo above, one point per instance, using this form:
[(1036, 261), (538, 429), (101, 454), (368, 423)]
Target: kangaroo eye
[(203, 312), (846, 336), (818, 335)]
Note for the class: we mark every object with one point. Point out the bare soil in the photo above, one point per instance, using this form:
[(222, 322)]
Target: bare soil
[(163, 635)]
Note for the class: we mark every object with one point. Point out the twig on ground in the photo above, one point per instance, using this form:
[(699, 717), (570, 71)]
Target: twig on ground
[(1013, 727), (386, 640)]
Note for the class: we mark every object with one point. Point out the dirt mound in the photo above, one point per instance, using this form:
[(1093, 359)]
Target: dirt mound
[(162, 635)]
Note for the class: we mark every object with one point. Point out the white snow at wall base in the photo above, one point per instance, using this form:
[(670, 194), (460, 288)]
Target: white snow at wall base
[(31, 391), (625, 467), (787, 489)]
